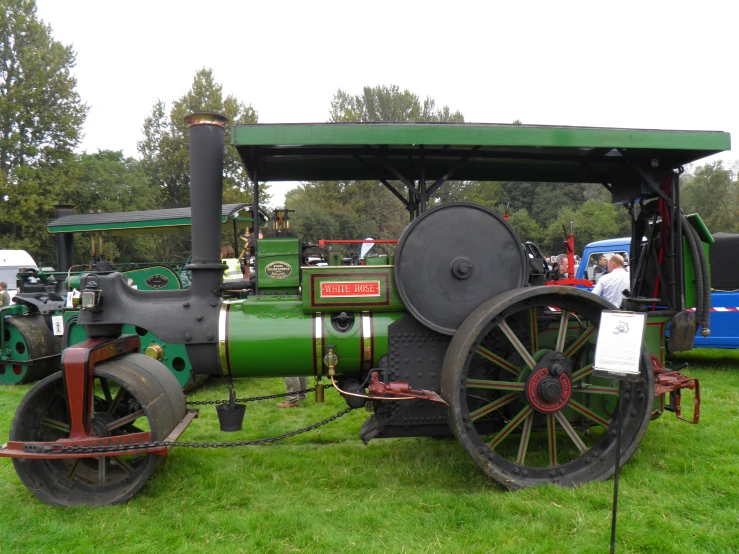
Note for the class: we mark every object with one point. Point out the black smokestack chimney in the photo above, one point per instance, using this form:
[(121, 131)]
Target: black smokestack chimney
[(64, 241), (206, 196)]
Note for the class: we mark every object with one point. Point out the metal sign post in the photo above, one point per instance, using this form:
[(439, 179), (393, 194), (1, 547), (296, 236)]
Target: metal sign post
[(618, 356)]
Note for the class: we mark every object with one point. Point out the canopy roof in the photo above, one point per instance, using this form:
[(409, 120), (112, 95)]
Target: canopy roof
[(173, 220), (473, 151)]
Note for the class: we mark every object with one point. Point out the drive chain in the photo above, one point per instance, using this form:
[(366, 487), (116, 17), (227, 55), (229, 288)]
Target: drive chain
[(133, 448), (253, 398)]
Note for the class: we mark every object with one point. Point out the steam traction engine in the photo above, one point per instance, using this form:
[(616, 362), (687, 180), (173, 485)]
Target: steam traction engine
[(457, 334)]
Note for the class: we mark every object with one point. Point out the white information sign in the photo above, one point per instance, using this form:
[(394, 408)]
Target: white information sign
[(618, 350), (57, 322)]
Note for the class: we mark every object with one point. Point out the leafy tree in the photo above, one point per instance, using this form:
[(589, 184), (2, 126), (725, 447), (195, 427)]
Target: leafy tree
[(319, 214), (592, 221), (713, 192), (358, 209), (111, 183), (527, 227), (165, 152), (41, 118), (388, 103), (164, 148)]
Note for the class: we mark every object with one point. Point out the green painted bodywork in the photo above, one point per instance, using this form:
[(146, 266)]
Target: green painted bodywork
[(278, 265), (379, 260), (146, 278), (138, 276), (688, 268), (689, 273), (654, 335), (387, 301), (147, 222), (347, 151), (174, 355), (272, 337), (15, 351), (430, 134)]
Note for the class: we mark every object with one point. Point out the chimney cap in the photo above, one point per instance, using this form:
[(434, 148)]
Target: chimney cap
[(206, 118)]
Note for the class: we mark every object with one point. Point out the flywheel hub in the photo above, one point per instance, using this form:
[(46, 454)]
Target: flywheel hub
[(549, 385)]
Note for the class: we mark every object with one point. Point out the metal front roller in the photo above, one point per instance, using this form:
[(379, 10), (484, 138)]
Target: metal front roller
[(134, 396), (523, 400), (31, 350)]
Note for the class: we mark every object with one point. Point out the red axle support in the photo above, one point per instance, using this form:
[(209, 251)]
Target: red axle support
[(673, 382), (78, 369), (78, 364)]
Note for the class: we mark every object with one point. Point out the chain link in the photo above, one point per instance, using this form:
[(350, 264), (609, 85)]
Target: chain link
[(133, 448), (253, 398)]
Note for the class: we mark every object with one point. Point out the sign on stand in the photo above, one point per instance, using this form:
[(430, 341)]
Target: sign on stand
[(618, 350), (618, 356)]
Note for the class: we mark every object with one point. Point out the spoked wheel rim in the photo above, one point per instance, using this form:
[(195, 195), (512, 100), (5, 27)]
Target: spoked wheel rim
[(523, 400), (122, 406)]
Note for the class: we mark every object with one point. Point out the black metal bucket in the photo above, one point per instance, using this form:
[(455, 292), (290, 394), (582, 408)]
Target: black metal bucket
[(231, 417)]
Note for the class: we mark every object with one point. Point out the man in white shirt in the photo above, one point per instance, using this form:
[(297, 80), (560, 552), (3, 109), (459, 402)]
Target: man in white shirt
[(612, 286)]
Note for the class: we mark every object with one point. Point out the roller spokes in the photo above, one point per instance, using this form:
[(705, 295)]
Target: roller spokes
[(523, 446), (562, 331), (115, 414), (518, 345), (581, 373), (558, 434), (492, 406), (495, 385), (524, 401), (497, 360)]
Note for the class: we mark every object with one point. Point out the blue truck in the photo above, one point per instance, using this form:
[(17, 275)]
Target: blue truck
[(723, 254)]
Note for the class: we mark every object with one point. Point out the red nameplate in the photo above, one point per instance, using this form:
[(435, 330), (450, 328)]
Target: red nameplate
[(349, 289)]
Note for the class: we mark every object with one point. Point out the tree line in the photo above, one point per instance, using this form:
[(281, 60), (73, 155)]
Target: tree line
[(41, 122)]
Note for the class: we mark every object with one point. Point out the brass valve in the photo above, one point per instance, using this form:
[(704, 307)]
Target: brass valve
[(331, 359)]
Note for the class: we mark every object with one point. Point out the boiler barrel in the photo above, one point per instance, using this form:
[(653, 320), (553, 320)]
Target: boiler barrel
[(279, 340)]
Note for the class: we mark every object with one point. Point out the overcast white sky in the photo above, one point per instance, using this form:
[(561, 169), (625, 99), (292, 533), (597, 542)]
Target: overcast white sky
[(646, 64)]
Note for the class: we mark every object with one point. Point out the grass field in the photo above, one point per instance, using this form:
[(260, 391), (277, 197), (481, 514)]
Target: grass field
[(327, 492)]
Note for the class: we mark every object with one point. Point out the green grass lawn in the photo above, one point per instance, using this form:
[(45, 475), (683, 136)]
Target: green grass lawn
[(326, 492)]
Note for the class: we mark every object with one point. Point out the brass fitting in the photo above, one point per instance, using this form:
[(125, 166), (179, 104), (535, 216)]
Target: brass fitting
[(331, 359), (154, 351)]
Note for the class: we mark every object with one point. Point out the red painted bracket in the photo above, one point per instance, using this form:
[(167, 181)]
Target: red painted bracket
[(570, 281), (54, 450), (672, 383), (78, 363), (401, 390)]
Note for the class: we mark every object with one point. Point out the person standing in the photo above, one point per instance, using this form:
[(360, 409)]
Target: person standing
[(233, 267), (601, 268), (613, 286), (4, 296), (293, 398), (564, 266)]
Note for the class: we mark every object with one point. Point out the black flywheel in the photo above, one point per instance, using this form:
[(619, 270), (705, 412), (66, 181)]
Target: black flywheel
[(453, 258)]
